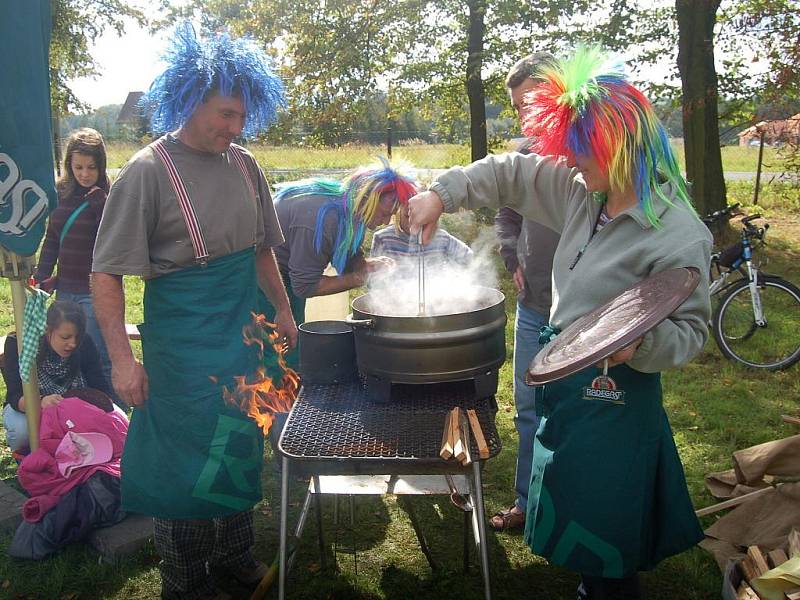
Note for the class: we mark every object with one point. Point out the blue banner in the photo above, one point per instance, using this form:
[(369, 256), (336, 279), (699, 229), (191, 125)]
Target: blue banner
[(27, 190)]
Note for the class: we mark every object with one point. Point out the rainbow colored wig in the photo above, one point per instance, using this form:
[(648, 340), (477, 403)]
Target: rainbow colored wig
[(354, 201), (584, 106), (220, 64)]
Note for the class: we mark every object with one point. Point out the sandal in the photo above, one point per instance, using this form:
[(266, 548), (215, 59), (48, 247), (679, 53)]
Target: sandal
[(507, 520)]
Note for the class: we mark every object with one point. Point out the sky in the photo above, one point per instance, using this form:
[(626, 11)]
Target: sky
[(131, 62), (126, 64)]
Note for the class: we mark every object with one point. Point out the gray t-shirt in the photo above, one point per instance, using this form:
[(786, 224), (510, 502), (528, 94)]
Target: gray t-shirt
[(143, 231), (298, 256)]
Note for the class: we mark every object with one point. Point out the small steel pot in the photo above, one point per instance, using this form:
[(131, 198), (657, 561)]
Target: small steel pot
[(327, 352)]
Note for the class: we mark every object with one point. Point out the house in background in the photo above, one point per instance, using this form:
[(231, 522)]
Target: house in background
[(785, 131), (132, 115)]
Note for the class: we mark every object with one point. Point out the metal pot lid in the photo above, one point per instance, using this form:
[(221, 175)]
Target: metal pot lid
[(611, 327)]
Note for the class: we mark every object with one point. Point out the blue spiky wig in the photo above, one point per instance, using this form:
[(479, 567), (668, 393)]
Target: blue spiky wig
[(218, 63)]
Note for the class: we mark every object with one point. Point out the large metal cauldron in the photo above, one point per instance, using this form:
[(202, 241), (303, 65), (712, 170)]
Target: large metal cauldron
[(431, 349)]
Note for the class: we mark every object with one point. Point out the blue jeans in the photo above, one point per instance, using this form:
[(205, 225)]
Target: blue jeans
[(92, 329), (526, 345), (16, 424)]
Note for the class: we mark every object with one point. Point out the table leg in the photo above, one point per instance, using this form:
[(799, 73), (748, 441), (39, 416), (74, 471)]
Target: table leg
[(283, 528), (467, 517), (318, 508), (298, 530), (407, 505), (479, 521)]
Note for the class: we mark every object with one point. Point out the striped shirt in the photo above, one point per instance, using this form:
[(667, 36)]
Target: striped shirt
[(392, 242), (74, 255)]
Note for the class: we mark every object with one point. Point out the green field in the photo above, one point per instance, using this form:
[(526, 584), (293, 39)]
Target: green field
[(427, 156), (715, 407)]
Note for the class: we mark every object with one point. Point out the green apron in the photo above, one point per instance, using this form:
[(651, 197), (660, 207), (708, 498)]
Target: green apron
[(298, 306), (189, 454), (608, 495)]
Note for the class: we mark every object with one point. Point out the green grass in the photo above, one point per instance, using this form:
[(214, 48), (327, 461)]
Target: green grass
[(735, 158), (431, 156), (715, 406), (428, 156)]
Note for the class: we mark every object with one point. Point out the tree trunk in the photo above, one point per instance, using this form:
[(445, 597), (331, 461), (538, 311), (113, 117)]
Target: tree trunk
[(55, 123), (696, 19), (477, 106)]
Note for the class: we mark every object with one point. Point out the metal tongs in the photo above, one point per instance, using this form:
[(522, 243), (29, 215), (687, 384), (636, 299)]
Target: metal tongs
[(420, 275)]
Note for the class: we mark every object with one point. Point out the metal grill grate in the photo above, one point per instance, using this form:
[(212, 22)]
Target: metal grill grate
[(340, 421)]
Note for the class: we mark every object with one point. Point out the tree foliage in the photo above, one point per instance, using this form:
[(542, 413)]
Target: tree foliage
[(76, 24), (336, 55)]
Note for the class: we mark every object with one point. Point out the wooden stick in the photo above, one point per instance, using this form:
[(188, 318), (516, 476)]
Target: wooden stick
[(794, 543), (790, 419), (748, 569), (458, 444), (758, 560), (729, 503), (483, 449), (777, 557), (745, 592), (465, 438), (447, 449)]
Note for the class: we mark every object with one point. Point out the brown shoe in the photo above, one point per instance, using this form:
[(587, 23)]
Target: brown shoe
[(508, 520)]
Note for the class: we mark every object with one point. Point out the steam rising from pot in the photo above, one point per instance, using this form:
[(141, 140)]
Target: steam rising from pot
[(450, 288)]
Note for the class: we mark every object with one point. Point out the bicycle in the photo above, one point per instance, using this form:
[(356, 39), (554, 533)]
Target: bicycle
[(757, 319)]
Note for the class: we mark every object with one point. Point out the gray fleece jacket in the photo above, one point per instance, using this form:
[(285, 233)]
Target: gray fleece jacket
[(625, 251)]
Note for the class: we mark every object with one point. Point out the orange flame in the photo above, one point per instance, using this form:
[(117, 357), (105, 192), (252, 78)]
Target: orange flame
[(259, 398)]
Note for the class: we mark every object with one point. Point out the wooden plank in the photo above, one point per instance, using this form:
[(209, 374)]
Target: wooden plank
[(465, 438), (745, 592), (777, 557), (730, 503), (483, 449), (794, 543), (132, 332), (446, 450), (452, 434), (759, 562), (458, 446), (747, 568), (791, 420)]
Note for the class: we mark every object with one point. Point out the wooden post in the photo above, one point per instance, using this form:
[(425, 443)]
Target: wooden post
[(389, 143), (758, 168), (17, 268)]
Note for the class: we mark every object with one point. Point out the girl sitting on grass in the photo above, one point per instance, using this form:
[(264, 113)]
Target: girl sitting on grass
[(67, 360)]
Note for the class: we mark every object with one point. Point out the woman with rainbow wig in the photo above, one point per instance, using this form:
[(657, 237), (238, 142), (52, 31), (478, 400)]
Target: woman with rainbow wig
[(324, 221), (607, 496)]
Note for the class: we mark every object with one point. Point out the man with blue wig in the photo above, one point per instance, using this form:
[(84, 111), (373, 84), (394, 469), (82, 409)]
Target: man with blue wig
[(192, 214)]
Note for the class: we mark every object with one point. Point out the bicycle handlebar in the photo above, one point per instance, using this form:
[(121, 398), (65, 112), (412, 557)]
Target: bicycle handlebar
[(723, 213), (746, 220)]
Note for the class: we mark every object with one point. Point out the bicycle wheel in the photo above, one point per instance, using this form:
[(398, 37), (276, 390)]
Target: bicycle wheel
[(774, 345)]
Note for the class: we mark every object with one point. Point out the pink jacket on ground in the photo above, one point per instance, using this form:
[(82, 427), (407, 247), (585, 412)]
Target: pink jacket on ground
[(39, 473)]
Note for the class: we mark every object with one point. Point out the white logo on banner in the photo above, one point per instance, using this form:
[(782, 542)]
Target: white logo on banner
[(15, 191)]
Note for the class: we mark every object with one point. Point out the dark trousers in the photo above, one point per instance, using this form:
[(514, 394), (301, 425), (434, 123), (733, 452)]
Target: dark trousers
[(602, 588), (190, 548)]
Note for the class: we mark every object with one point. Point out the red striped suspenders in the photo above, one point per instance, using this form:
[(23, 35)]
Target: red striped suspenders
[(189, 216), (238, 155)]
